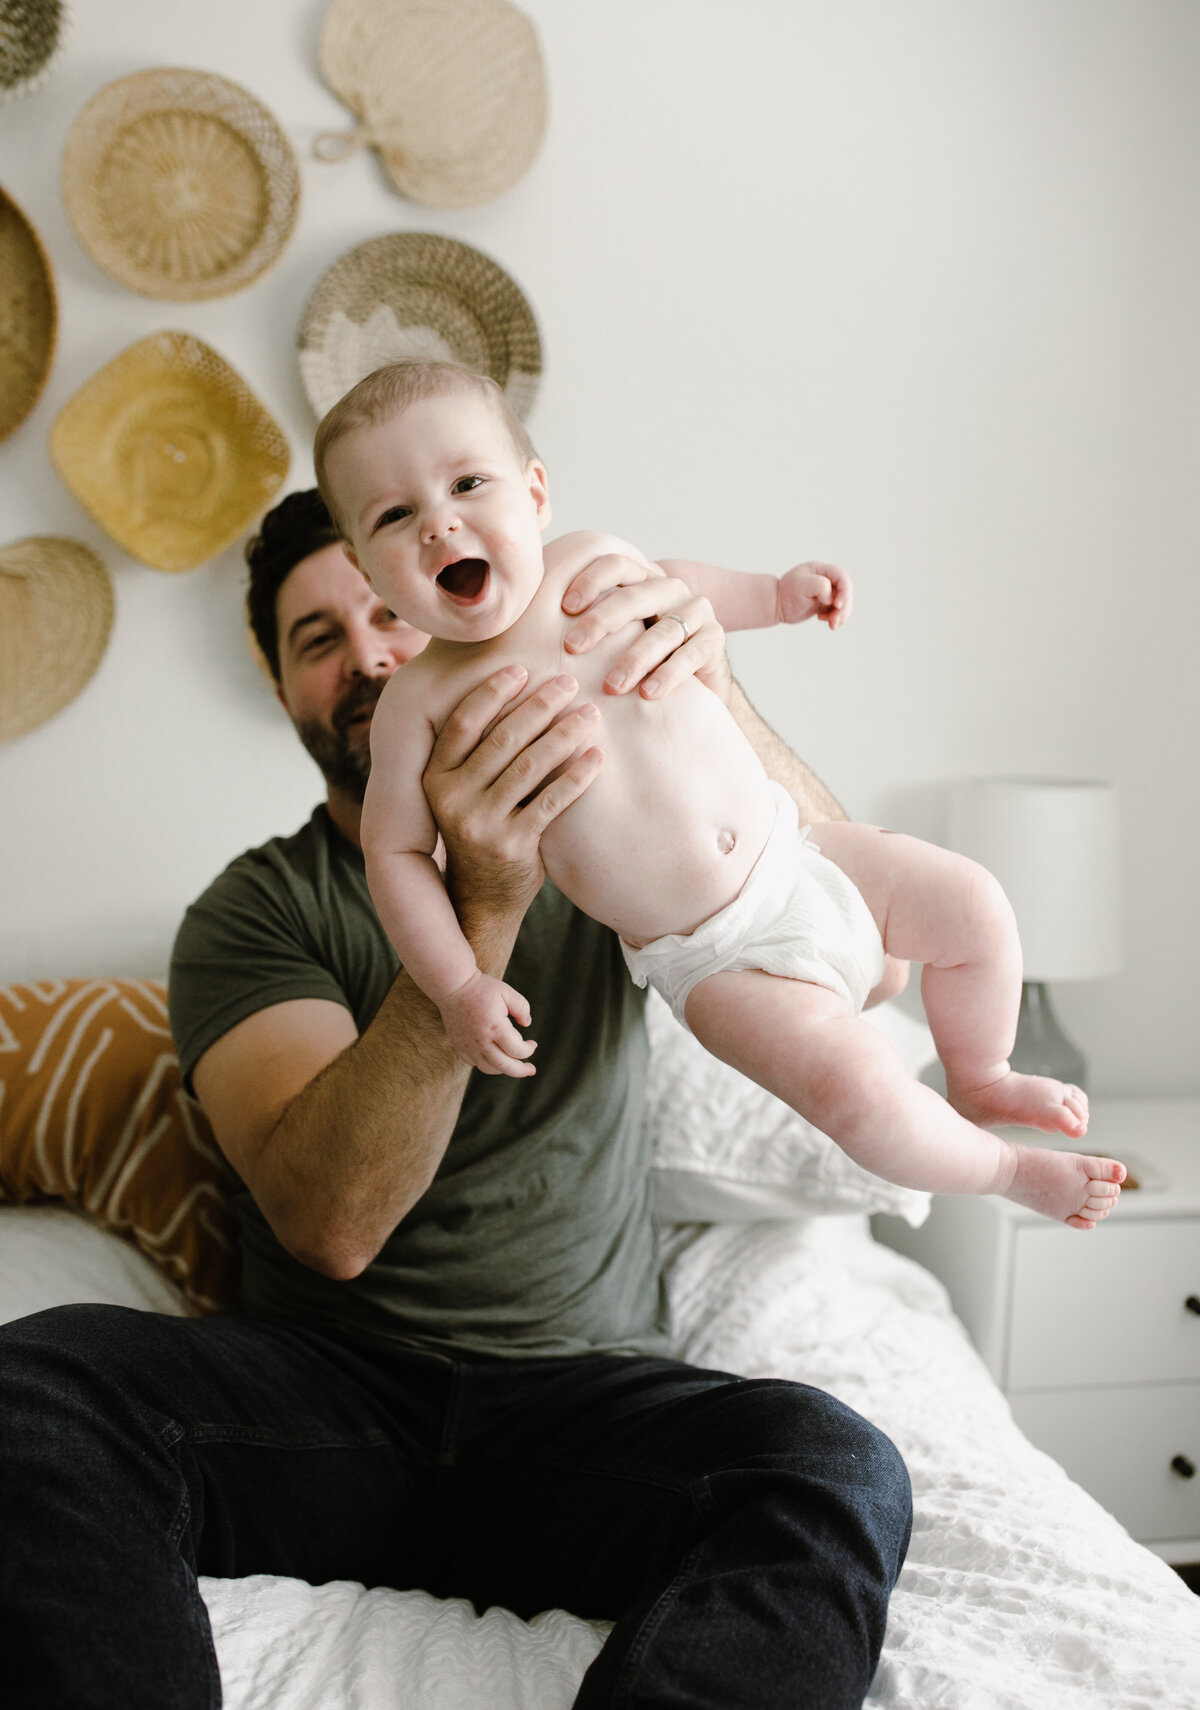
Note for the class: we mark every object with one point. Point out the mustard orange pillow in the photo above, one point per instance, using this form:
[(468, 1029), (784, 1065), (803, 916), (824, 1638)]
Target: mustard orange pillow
[(93, 1112)]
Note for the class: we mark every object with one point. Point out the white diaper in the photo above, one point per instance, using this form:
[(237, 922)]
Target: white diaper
[(797, 915)]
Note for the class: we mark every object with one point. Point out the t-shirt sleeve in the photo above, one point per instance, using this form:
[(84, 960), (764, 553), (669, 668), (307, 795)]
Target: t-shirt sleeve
[(247, 943)]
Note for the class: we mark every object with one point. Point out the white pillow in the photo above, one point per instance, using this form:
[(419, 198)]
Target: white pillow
[(51, 1255), (725, 1150)]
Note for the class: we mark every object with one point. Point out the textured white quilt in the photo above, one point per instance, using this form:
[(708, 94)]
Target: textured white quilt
[(1019, 1591)]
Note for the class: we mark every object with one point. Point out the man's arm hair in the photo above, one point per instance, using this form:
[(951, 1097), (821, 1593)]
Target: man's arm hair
[(811, 797), (336, 1135)]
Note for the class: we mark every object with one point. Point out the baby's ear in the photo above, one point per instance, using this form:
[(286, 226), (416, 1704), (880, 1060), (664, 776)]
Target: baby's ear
[(539, 491)]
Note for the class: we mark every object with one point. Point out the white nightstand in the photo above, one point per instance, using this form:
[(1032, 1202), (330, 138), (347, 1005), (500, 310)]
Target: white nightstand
[(1095, 1338)]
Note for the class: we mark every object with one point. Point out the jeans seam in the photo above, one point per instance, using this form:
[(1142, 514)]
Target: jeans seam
[(702, 1501), (254, 1437), (610, 1469)]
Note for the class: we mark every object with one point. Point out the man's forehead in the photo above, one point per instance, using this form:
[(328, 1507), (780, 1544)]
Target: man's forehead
[(325, 581)]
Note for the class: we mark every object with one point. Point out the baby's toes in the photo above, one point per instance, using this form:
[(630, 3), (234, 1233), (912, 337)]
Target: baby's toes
[(1076, 1102)]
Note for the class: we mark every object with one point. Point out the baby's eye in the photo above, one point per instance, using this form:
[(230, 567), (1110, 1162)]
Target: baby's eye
[(467, 483), (395, 514)]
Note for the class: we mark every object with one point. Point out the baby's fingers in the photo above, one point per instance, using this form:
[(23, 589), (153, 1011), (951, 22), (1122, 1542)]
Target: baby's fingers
[(517, 1006), (507, 1053)]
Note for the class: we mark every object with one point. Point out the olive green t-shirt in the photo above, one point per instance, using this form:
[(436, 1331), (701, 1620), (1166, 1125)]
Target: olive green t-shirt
[(535, 1237)]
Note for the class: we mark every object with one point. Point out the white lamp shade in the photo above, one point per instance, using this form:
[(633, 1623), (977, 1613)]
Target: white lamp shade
[(1053, 844)]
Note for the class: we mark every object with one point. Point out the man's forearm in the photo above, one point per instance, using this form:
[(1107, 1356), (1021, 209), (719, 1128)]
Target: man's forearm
[(358, 1146), (812, 798)]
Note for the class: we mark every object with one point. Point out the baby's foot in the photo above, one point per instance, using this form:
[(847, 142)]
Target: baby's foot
[(1063, 1185), (1028, 1101)]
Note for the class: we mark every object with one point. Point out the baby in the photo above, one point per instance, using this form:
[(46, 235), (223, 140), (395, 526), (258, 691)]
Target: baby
[(763, 944)]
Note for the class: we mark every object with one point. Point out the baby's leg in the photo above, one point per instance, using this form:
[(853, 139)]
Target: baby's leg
[(951, 915), (803, 1044)]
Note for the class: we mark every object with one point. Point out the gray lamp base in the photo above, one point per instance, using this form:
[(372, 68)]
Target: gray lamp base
[(1042, 1048)]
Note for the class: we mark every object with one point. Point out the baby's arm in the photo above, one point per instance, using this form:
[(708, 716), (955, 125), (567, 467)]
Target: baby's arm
[(742, 599), (399, 837)]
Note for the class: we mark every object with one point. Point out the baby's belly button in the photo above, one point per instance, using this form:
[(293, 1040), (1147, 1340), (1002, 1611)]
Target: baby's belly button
[(726, 841)]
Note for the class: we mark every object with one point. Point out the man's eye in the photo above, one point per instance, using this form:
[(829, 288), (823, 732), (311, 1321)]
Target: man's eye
[(321, 639)]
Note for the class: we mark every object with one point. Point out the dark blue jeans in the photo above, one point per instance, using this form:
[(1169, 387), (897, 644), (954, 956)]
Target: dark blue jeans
[(743, 1535)]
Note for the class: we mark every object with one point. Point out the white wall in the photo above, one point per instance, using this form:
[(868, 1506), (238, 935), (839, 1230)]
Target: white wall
[(906, 285)]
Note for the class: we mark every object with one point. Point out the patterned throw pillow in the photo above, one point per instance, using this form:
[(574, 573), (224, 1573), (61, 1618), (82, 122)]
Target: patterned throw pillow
[(93, 1112)]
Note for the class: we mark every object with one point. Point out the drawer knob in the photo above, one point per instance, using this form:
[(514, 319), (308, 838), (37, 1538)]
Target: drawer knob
[(1185, 1468), (1193, 1304)]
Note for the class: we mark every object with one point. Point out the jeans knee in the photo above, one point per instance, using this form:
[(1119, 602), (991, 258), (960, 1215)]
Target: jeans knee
[(831, 1458)]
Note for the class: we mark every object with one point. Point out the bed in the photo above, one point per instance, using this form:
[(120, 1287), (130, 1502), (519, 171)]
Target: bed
[(1019, 1591)]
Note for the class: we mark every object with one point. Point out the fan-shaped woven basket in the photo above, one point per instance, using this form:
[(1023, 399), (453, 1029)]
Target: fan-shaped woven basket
[(451, 92), (32, 33), (56, 611), (170, 451), (28, 316), (416, 294), (180, 184)]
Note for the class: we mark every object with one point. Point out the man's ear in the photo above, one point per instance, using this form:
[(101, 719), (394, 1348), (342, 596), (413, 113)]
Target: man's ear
[(539, 491)]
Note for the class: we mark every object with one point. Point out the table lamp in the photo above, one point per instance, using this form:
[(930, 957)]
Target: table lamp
[(1053, 845)]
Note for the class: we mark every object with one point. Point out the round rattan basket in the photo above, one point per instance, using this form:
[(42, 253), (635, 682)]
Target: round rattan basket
[(170, 451), (56, 612), (32, 35), (180, 184), (28, 316), (417, 294), (451, 92)]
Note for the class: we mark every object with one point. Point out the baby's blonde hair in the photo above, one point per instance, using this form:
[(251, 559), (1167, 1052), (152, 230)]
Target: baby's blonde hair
[(388, 392)]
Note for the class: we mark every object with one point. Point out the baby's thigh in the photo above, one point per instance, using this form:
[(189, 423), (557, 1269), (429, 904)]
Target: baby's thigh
[(906, 884)]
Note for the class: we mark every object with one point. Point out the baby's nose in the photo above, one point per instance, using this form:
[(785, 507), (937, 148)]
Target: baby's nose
[(441, 524)]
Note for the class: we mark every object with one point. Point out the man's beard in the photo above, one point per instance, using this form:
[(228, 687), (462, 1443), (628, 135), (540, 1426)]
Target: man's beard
[(342, 751)]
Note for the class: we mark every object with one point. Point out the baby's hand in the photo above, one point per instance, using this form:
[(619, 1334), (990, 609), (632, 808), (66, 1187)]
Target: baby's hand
[(476, 1019), (815, 590)]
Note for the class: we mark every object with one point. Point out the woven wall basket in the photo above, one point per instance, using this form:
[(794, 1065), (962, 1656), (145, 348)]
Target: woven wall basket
[(56, 611), (32, 34), (180, 184), (170, 451), (28, 316), (451, 92), (415, 294)]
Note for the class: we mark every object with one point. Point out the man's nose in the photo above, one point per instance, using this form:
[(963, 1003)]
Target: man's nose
[(367, 653)]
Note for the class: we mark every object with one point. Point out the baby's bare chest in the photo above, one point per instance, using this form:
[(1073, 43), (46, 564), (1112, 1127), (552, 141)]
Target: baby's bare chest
[(536, 643)]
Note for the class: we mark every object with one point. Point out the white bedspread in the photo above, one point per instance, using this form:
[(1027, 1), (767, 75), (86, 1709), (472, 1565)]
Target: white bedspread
[(1019, 1591)]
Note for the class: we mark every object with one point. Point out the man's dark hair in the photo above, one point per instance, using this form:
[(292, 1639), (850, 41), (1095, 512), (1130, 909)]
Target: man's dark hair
[(296, 527)]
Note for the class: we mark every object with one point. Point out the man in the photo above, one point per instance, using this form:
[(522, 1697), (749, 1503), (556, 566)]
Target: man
[(449, 1371)]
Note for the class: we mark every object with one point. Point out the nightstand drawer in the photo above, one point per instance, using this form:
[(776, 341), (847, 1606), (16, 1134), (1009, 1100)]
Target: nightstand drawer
[(1119, 1444), (1105, 1308)]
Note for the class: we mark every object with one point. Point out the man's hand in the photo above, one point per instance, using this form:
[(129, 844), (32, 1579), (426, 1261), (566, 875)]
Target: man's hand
[(488, 792), (476, 1019), (685, 641), (815, 590)]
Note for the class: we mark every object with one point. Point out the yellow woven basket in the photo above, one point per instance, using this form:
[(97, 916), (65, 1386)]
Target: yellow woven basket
[(180, 184), (415, 294), (56, 612), (451, 92), (170, 451), (28, 316)]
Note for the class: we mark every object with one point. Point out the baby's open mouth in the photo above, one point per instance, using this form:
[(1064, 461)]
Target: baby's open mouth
[(464, 580)]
